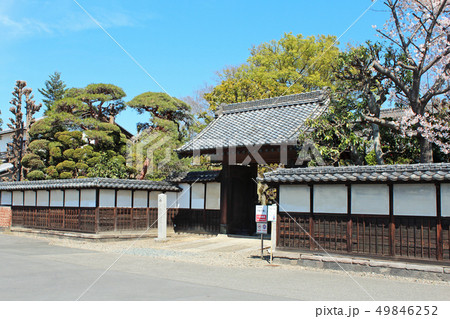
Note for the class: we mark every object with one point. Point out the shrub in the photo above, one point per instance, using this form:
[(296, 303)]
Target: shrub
[(66, 166), (52, 172), (65, 175), (35, 175)]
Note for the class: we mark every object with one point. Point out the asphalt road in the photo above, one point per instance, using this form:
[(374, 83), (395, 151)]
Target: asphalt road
[(30, 269)]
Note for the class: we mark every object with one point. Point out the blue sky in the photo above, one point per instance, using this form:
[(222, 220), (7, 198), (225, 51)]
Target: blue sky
[(180, 43)]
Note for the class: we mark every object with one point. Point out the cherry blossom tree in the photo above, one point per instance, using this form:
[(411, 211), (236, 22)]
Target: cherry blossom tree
[(420, 29)]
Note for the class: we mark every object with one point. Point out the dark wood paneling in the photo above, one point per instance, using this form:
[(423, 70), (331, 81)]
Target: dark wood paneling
[(412, 237)]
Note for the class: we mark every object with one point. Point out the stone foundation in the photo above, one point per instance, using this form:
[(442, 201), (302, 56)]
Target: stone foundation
[(355, 264)]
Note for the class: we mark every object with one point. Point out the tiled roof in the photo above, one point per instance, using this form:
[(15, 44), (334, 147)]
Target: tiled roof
[(269, 121), (89, 183), (377, 173), (394, 113), (198, 176)]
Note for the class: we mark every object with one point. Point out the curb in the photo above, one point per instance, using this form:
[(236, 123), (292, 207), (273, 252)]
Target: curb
[(385, 267), (152, 233)]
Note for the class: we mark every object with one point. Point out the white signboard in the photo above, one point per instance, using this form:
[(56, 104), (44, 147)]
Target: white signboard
[(261, 214), (261, 228), (272, 213)]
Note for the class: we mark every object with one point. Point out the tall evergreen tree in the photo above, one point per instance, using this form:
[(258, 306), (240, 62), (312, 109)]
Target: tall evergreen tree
[(54, 90)]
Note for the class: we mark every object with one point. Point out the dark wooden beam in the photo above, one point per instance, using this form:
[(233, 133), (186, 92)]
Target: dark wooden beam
[(439, 240), (349, 218), (391, 221), (311, 217)]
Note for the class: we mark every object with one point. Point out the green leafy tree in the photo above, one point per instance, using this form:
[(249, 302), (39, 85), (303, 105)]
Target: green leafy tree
[(69, 143), (166, 130), (293, 64), (54, 90), (99, 101)]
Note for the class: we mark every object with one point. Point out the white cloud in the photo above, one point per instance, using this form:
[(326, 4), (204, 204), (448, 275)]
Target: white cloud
[(47, 22)]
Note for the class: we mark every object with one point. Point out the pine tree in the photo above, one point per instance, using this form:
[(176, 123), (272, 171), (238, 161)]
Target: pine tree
[(54, 90)]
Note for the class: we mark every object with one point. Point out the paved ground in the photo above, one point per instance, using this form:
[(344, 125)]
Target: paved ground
[(36, 269)]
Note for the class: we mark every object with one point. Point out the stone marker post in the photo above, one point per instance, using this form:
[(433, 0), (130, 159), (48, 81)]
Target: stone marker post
[(162, 216)]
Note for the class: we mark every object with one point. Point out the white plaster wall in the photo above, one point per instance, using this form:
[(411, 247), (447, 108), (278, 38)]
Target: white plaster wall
[(198, 196), (56, 197), (140, 199), (445, 200), (30, 198), (183, 196), (295, 198), (213, 196), (17, 198), (372, 199), (415, 199), (6, 198), (124, 198), (72, 198), (172, 200), (107, 198), (4, 140), (42, 198), (154, 199), (88, 198), (330, 199)]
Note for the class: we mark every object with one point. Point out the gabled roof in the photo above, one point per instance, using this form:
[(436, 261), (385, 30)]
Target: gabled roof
[(90, 183), (197, 176), (269, 121), (377, 173)]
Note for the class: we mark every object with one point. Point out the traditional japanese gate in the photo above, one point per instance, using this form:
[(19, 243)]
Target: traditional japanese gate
[(245, 135)]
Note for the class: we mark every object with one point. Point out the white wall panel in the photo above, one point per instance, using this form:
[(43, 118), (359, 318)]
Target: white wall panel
[(198, 196), (107, 198), (415, 199), (88, 198), (371, 199), (445, 200), (6, 198), (42, 198), (17, 198), (330, 199), (213, 196), (30, 198), (123, 198), (154, 199), (56, 197), (140, 199), (72, 198), (172, 200), (183, 196), (295, 198)]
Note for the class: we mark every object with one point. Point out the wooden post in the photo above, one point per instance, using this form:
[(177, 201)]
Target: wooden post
[(439, 241), (147, 210), (49, 205), (311, 217), (225, 185), (132, 209), (97, 210), (79, 209), (391, 221), (115, 210), (349, 218), (205, 226), (64, 209)]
